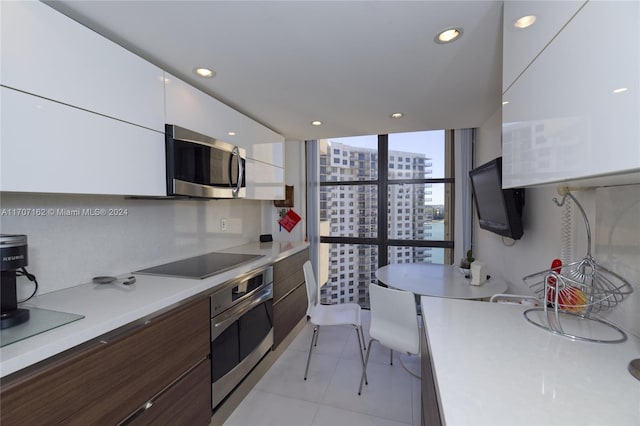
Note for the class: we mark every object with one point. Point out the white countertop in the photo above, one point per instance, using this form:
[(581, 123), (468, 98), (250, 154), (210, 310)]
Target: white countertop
[(107, 307), (492, 367)]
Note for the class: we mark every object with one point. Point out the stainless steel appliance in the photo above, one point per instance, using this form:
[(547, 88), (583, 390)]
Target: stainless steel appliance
[(241, 329), (201, 166), (200, 267), (14, 257), (241, 315)]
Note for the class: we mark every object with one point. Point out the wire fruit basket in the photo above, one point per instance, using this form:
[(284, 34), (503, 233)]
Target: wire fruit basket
[(574, 293)]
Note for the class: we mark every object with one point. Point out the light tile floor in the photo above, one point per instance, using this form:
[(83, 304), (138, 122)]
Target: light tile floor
[(329, 396)]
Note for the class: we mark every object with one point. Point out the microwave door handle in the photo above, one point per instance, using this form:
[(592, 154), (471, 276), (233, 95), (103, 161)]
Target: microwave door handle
[(236, 154), (230, 169), (240, 174)]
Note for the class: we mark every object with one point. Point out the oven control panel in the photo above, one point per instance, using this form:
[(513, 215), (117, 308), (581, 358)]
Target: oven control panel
[(234, 291)]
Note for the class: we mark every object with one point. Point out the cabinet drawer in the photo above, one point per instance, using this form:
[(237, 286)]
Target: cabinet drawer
[(288, 274), (288, 312), (106, 382), (187, 402)]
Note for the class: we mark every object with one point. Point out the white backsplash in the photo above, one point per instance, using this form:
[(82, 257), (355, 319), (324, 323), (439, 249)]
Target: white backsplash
[(617, 246), (65, 251)]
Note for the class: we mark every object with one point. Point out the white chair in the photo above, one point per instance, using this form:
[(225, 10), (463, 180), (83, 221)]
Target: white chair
[(323, 315), (394, 323)]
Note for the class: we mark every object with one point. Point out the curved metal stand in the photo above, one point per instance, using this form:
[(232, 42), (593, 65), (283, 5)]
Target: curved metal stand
[(552, 324), (588, 288)]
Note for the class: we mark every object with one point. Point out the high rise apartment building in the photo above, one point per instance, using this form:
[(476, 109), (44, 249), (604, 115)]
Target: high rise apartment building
[(352, 210)]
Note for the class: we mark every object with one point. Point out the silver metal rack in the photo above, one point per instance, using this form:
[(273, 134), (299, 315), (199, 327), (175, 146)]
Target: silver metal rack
[(575, 293)]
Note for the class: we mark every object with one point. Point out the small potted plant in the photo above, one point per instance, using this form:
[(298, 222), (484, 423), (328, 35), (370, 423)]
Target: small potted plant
[(465, 263)]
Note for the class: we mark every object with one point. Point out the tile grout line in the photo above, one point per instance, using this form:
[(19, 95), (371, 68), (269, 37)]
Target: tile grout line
[(335, 368)]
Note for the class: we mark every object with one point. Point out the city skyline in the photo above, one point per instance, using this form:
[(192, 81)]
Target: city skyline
[(429, 143), (351, 211)]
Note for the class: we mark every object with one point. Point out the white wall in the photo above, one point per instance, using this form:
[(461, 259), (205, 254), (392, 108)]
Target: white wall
[(541, 241), (65, 251), (617, 246)]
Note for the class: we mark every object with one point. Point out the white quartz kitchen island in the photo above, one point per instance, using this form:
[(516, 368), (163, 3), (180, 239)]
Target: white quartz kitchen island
[(493, 367)]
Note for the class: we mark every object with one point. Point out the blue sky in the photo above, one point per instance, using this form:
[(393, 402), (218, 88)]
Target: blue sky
[(430, 143)]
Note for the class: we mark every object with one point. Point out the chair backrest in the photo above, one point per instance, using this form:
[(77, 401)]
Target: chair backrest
[(312, 286), (394, 319)]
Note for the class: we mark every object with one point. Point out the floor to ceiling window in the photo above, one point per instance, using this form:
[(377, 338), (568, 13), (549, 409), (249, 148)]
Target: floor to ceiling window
[(383, 199)]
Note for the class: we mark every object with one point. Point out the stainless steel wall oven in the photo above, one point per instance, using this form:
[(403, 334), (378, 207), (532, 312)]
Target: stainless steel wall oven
[(241, 329)]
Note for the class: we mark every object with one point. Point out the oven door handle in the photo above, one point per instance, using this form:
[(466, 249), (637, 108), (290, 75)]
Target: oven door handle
[(221, 322)]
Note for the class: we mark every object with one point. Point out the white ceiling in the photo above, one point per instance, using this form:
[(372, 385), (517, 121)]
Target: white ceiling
[(349, 64)]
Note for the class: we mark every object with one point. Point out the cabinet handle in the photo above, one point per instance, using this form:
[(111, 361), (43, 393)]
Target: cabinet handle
[(136, 413), (110, 337), (150, 402)]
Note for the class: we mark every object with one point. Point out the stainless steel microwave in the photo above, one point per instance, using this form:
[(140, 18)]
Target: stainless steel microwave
[(201, 166)]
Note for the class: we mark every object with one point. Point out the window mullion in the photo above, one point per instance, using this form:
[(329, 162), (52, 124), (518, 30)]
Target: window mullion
[(383, 199)]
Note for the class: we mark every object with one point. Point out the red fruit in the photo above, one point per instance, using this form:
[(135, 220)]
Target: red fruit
[(570, 298)]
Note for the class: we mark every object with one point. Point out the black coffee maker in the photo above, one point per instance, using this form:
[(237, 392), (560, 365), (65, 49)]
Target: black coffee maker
[(14, 258)]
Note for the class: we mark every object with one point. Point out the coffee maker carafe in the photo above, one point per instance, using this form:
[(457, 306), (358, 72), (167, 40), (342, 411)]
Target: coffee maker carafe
[(13, 249)]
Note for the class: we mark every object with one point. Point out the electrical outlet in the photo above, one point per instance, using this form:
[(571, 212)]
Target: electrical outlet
[(223, 225)]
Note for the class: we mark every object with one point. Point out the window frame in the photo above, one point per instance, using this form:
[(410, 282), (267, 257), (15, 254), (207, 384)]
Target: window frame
[(382, 240)]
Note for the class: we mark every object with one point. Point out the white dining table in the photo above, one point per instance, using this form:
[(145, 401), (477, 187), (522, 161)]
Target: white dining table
[(428, 279)]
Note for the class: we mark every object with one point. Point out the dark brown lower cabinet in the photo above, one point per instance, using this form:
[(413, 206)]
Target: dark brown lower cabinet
[(183, 403), (288, 313), (106, 380), (429, 395), (289, 295)]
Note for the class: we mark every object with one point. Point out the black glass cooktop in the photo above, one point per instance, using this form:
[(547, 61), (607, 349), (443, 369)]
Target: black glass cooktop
[(200, 267)]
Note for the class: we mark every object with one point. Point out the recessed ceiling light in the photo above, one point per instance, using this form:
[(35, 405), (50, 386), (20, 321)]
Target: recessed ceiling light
[(620, 90), (505, 102), (231, 133), (525, 21), (448, 35), (316, 123), (397, 115), (204, 72)]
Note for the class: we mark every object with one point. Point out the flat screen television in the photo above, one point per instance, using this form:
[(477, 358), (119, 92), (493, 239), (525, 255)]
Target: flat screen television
[(499, 210)]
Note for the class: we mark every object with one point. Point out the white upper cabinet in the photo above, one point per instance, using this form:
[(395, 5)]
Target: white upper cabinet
[(268, 152), (55, 148), (195, 110), (521, 45), (264, 181), (49, 55), (574, 114)]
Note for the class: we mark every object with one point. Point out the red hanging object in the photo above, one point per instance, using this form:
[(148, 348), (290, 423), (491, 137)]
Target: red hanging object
[(289, 220)]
